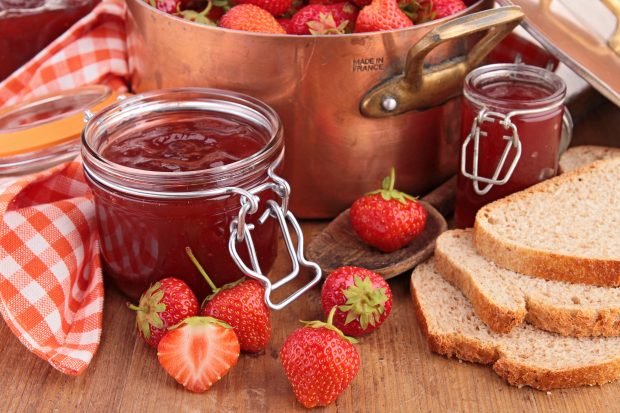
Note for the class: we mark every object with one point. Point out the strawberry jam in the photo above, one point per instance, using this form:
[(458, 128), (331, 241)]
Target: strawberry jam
[(158, 172), (535, 96), (186, 145)]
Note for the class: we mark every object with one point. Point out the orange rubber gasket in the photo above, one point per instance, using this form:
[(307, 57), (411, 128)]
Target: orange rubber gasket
[(48, 134)]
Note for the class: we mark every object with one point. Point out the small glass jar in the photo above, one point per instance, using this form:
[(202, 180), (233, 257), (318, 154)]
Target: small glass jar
[(148, 215), (511, 134)]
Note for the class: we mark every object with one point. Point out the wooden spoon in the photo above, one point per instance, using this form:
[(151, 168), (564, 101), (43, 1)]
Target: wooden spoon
[(338, 245)]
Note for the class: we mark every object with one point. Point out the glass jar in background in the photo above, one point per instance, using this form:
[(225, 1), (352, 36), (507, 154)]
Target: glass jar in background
[(191, 168), (27, 26), (511, 134)]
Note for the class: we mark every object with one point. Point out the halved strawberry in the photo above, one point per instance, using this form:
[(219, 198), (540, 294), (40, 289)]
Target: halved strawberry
[(198, 352)]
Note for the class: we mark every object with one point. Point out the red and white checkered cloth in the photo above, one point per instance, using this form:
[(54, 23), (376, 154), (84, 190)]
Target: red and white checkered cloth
[(51, 288), (93, 51)]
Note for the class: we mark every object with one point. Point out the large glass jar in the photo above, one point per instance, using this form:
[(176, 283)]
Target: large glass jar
[(511, 134), (171, 169)]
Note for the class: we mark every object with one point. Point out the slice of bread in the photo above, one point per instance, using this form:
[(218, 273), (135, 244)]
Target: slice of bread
[(503, 299), (579, 156), (524, 357), (566, 228)]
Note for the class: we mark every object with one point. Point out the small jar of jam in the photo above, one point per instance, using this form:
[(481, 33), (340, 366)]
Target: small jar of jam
[(511, 134), (191, 168)]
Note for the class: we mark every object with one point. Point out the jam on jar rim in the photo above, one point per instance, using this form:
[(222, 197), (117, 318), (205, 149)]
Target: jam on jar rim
[(179, 184), (490, 75)]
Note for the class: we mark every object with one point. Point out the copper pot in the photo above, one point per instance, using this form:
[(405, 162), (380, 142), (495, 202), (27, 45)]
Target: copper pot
[(352, 105)]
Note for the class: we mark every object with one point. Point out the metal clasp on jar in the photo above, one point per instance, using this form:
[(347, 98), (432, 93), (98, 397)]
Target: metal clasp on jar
[(241, 232), (512, 141)]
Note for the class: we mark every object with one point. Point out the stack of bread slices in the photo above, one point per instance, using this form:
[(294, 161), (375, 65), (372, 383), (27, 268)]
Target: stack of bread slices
[(533, 289)]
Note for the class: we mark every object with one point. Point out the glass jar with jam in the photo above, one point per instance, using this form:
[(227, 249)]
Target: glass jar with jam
[(28, 26), (511, 134), (191, 168)]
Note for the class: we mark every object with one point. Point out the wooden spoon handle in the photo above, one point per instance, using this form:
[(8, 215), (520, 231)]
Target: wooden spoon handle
[(443, 197)]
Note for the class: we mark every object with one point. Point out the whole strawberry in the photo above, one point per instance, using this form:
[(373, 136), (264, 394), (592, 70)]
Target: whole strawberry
[(275, 7), (381, 15), (445, 8), (168, 6), (250, 18), (284, 22), (323, 19), (319, 362), (362, 298), (198, 352), (241, 305), (386, 218), (164, 304)]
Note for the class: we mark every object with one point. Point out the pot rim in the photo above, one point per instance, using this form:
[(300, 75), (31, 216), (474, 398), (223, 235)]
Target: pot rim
[(142, 3)]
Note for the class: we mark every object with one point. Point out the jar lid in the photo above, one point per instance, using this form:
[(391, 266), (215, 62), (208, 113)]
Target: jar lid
[(41, 132)]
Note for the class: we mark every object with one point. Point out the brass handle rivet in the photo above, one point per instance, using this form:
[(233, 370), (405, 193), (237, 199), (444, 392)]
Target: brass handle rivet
[(389, 104)]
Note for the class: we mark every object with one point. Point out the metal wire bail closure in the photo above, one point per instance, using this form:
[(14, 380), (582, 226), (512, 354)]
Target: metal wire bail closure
[(512, 141), (240, 232)]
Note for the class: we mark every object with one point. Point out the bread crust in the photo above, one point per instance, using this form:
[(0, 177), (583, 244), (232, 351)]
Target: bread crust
[(497, 318), (513, 371), (578, 156), (567, 321), (453, 345), (542, 263), (571, 322), (519, 374)]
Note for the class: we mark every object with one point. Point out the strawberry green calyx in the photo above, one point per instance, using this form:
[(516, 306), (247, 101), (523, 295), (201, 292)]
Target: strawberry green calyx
[(388, 192), (418, 11), (364, 302), (329, 325), (148, 310), (224, 4), (326, 25), (200, 321), (198, 17)]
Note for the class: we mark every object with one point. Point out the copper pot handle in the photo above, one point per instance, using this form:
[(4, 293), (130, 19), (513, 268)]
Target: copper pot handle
[(419, 88)]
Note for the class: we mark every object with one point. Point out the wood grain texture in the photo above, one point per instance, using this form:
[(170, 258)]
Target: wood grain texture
[(398, 372), (338, 245)]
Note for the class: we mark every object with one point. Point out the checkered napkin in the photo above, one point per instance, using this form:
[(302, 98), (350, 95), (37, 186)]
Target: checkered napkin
[(92, 51), (51, 288)]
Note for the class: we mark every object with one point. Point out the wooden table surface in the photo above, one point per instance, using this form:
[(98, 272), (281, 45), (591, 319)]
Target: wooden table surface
[(398, 372)]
